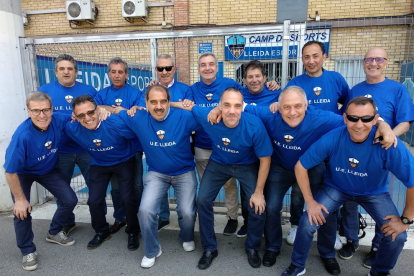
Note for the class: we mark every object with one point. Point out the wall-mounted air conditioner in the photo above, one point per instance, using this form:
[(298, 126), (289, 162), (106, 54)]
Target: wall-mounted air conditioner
[(134, 8), (81, 10)]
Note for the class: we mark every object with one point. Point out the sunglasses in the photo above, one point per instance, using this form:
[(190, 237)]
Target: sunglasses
[(364, 119), (167, 68), (378, 60), (89, 113)]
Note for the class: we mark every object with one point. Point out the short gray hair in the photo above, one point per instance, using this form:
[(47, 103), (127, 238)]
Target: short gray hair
[(166, 56), (157, 87), (296, 88), (37, 96), (206, 55), (65, 57), (117, 60)]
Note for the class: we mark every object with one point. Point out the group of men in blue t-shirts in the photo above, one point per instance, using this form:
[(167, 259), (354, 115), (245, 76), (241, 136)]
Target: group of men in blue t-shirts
[(267, 139)]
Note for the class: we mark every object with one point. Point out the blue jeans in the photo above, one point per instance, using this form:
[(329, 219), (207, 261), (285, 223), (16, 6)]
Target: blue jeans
[(377, 206), (155, 187), (214, 177), (119, 213), (278, 183), (55, 184), (66, 165)]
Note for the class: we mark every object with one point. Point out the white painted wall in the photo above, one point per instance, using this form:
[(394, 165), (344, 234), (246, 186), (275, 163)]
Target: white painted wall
[(12, 94)]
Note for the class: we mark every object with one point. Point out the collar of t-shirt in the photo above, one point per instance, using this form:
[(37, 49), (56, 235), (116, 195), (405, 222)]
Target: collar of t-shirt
[(38, 128), (169, 85)]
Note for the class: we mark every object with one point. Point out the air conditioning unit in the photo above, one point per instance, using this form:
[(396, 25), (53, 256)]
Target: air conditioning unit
[(81, 10), (134, 8)]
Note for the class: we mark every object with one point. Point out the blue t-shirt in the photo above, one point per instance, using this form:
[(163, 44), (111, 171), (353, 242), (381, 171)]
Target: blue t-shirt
[(110, 144), (236, 146), (264, 98), (209, 96), (324, 91), (62, 98), (166, 143), (32, 151), (178, 91), (359, 169), (392, 99), (291, 142), (126, 97)]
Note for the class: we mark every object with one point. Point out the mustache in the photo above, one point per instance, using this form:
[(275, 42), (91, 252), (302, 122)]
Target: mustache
[(165, 75), (159, 109)]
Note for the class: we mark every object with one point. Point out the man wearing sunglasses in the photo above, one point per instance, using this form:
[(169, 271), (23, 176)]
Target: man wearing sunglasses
[(32, 156), (112, 147), (357, 170), (62, 92), (395, 107), (120, 95)]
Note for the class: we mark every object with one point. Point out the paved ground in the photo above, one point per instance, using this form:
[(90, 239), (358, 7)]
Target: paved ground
[(113, 258)]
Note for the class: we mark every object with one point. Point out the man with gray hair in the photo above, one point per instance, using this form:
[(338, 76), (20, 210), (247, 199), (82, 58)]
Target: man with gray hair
[(32, 156), (62, 92)]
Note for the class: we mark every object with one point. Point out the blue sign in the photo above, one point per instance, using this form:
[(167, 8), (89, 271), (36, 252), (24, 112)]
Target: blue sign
[(205, 47), (95, 74)]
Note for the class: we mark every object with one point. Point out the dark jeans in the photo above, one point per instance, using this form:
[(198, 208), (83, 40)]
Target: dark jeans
[(214, 177), (99, 177), (55, 184)]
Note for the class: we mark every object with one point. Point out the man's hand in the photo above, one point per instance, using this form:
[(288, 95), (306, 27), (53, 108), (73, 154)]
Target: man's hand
[(214, 117), (272, 85), (73, 118), (388, 135), (258, 201), (103, 114), (131, 112), (394, 227), (21, 208), (314, 210), (187, 102), (274, 107), (117, 109), (153, 82)]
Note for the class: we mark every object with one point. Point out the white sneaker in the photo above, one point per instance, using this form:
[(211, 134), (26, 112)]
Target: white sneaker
[(290, 239), (189, 246), (149, 262), (338, 242)]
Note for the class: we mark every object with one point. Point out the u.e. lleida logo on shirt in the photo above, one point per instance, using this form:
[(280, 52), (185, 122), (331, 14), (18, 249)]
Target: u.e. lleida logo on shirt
[(118, 102), (353, 162), (209, 96), (161, 134), (48, 145), (226, 141), (288, 138), (317, 91), (97, 142), (69, 98)]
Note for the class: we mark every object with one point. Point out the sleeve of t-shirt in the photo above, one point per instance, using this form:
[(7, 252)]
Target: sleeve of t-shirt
[(191, 122), (317, 153), (15, 155), (120, 127), (142, 101), (404, 110), (260, 111), (98, 99), (128, 120), (261, 141), (137, 100), (200, 115), (236, 85), (344, 90), (92, 92), (188, 94), (62, 119), (401, 163)]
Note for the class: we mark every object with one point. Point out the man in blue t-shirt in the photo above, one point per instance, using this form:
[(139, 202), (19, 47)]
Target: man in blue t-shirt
[(357, 170), (121, 95), (242, 150), (32, 156), (112, 147), (395, 106), (207, 93), (62, 92), (165, 136)]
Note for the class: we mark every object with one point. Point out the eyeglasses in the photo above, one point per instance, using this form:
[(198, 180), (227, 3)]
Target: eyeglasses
[(378, 60), (36, 112), (364, 119), (167, 68), (89, 113)]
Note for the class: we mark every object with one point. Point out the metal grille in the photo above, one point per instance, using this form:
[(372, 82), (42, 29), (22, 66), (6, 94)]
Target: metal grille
[(347, 41)]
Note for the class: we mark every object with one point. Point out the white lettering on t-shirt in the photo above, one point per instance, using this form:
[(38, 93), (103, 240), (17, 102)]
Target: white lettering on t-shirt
[(286, 146), (227, 150), (208, 105), (103, 149), (166, 144), (338, 169)]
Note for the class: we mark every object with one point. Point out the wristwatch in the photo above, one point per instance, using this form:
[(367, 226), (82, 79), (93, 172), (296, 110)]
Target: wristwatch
[(406, 220)]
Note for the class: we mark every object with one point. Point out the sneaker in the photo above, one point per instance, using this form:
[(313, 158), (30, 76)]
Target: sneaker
[(348, 250), (162, 224), (338, 242), (188, 246), (290, 239), (231, 227), (242, 231), (149, 262), (60, 238), (369, 258), (29, 261), (294, 271), (68, 228)]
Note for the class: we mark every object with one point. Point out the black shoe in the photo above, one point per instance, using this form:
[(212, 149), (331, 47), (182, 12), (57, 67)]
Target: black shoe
[(269, 258), (162, 224), (253, 258), (207, 258), (347, 251), (331, 265), (231, 227), (116, 227), (98, 240), (369, 258), (133, 242)]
